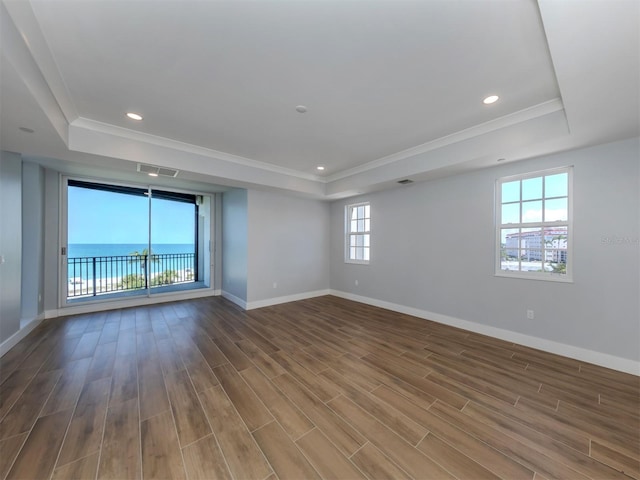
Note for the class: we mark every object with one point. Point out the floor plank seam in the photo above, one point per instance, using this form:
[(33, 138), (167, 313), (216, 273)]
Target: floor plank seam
[(140, 459), (104, 429), (246, 427), (358, 449), (64, 438)]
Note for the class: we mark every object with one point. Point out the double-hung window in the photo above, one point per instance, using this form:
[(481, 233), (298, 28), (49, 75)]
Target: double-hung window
[(358, 233), (534, 225)]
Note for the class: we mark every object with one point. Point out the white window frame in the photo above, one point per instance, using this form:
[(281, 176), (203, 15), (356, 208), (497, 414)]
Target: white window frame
[(349, 233), (547, 276)]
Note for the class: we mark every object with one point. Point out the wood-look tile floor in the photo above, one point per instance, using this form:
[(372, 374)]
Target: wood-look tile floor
[(322, 388)]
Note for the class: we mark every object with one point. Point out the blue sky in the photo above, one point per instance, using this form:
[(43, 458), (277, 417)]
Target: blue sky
[(105, 217)]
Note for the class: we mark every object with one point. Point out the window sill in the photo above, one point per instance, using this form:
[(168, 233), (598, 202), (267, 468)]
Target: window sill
[(545, 278), (357, 262)]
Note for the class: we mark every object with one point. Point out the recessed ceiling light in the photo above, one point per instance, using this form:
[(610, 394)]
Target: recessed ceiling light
[(301, 109), (27, 130), (490, 99), (320, 167), (134, 116), (153, 174)]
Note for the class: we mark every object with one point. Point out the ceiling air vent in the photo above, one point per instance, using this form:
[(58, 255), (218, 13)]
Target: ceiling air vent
[(406, 181), (161, 171)]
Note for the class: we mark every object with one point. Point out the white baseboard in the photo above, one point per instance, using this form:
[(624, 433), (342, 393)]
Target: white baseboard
[(285, 299), (27, 325), (113, 304), (577, 353), (237, 300)]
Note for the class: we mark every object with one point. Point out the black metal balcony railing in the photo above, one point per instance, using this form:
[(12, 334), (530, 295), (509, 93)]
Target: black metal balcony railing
[(91, 276)]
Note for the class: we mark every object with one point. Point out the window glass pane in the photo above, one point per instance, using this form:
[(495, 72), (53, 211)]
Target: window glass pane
[(360, 226), (510, 213), (555, 238), (556, 210), (532, 211), (510, 243), (354, 214), (366, 211), (366, 254), (531, 238), (366, 240), (511, 191), (510, 264), (359, 255), (556, 185), (359, 241), (352, 253), (367, 225), (556, 261), (532, 188), (558, 233), (354, 226), (530, 231), (531, 260), (555, 255), (352, 241)]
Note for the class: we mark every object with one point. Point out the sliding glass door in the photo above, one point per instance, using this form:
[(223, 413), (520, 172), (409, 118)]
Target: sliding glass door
[(123, 241), (174, 232)]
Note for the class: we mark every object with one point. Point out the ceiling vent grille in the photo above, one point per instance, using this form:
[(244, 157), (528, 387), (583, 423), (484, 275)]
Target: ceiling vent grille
[(406, 181), (161, 171)]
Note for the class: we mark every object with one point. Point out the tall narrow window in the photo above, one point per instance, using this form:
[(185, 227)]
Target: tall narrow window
[(358, 228), (534, 225)]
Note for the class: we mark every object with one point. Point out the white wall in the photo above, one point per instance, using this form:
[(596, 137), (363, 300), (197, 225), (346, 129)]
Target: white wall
[(288, 247), (235, 245), (10, 243), (32, 240), (51, 239), (433, 251)]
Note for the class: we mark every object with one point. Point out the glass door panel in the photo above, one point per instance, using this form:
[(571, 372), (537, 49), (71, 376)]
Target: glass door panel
[(173, 263), (107, 237)]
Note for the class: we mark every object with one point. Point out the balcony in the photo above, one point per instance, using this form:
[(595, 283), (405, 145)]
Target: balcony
[(125, 274)]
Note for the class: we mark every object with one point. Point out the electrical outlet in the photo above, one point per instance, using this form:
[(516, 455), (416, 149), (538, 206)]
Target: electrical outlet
[(530, 315)]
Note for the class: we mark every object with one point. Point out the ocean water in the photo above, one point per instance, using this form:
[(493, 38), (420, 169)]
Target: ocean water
[(109, 249), (80, 260)]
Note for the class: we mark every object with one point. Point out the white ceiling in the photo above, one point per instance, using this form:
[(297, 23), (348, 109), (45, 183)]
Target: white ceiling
[(393, 89)]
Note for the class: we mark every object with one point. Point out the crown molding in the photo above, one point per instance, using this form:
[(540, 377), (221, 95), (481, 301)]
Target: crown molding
[(514, 118), (108, 129)]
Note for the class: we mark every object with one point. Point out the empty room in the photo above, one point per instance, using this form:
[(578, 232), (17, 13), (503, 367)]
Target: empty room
[(320, 239)]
